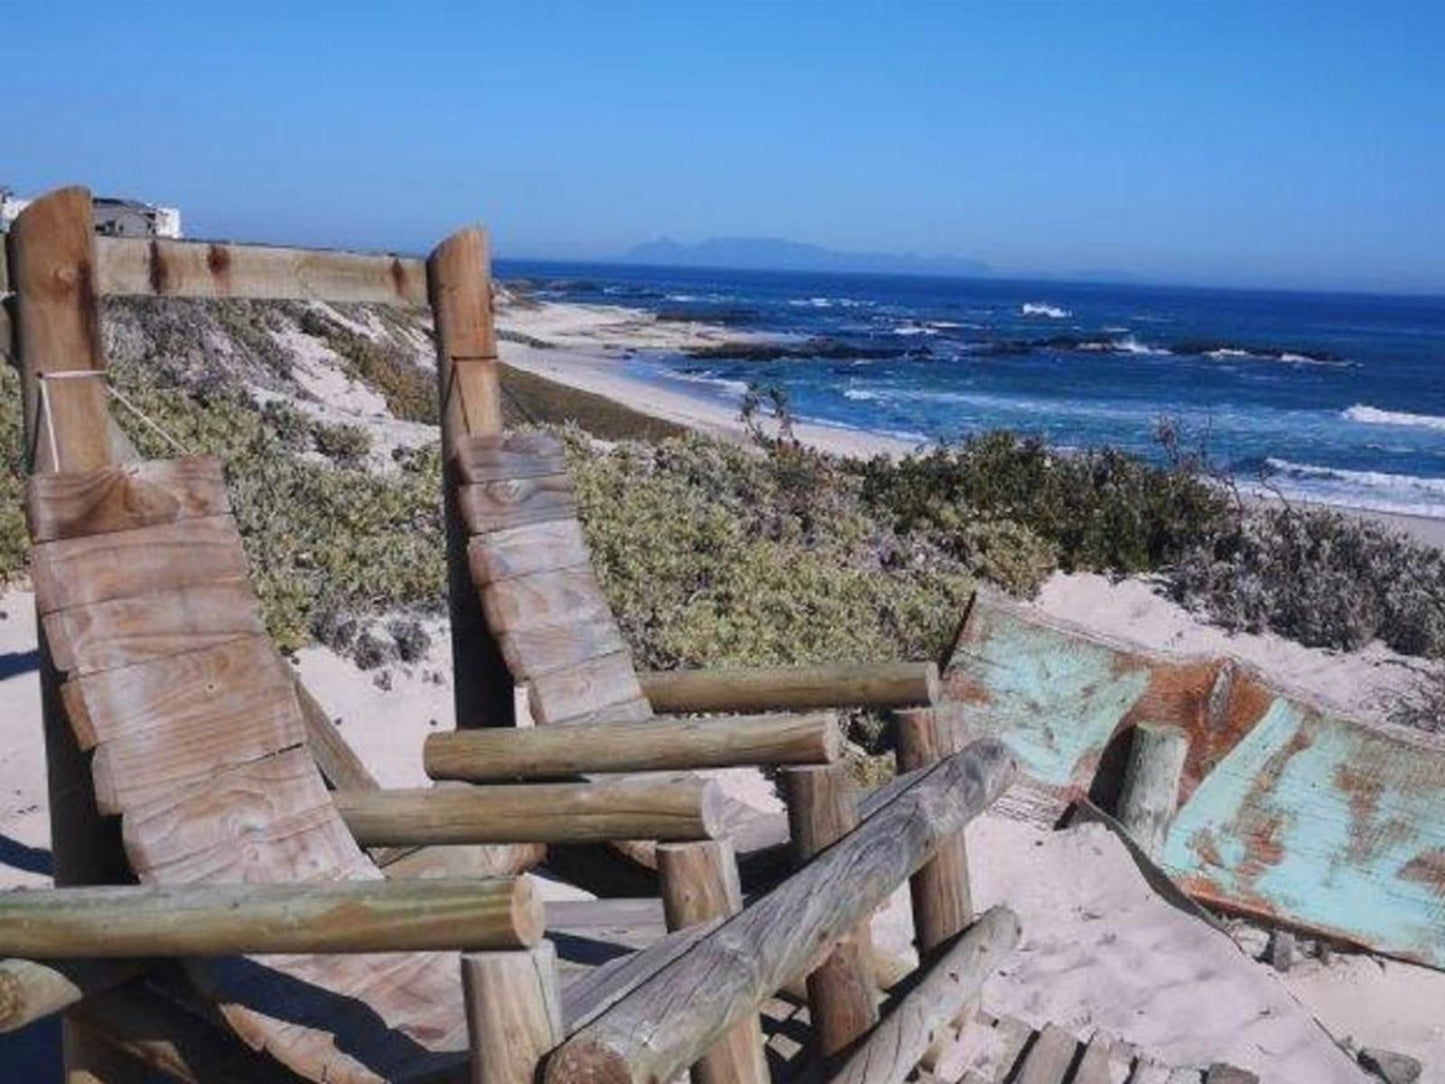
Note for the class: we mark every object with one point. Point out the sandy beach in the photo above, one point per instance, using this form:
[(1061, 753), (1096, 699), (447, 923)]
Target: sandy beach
[(1101, 949)]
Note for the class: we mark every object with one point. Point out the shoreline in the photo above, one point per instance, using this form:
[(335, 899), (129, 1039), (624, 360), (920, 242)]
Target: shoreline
[(589, 347)]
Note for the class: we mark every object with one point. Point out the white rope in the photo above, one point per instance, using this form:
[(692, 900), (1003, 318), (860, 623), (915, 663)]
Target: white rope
[(91, 374)]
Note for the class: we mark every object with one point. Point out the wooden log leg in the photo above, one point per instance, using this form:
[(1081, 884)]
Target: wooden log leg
[(514, 1012), (843, 992), (1151, 784), (699, 883), (942, 895)]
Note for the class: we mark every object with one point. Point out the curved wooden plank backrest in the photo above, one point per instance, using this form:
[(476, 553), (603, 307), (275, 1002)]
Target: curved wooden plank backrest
[(197, 744), (541, 598)]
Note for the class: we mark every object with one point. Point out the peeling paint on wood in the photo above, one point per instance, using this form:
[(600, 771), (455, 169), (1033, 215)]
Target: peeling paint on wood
[(1288, 812)]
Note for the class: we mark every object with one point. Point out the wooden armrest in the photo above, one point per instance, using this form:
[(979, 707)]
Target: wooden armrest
[(792, 688)]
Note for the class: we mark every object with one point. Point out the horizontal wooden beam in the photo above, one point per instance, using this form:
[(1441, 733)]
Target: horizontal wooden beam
[(223, 920), (792, 688), (640, 807), (201, 269), (669, 1021), (495, 754)]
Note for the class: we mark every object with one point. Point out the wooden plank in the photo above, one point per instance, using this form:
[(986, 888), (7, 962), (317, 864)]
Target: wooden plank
[(593, 993), (197, 690), (669, 1021), (268, 820), (544, 599), (533, 652), (893, 1049), (164, 267), (638, 807), (127, 631), (516, 502), (1094, 1066), (218, 920), (57, 327), (168, 759), (792, 688), (521, 551), (588, 689), (657, 744), (123, 496), (629, 710), (192, 553), (699, 883), (1051, 1057), (514, 455), (514, 1012)]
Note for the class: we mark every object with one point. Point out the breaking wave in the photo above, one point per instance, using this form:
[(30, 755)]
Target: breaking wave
[(1404, 494), (1369, 415), (1040, 308)]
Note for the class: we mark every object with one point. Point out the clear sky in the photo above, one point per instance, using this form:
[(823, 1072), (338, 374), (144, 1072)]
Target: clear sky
[(1293, 144)]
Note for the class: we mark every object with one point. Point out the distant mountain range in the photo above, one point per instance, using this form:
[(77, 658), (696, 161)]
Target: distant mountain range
[(778, 254)]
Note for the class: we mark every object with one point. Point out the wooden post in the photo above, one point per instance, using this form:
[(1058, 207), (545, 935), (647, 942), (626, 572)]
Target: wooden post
[(50, 250), (241, 919), (514, 1012), (459, 286), (894, 1048), (671, 1020), (942, 896), (843, 991), (699, 883), (1151, 784), (655, 744), (792, 688)]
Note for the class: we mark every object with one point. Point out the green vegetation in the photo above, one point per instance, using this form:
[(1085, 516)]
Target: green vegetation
[(528, 399), (409, 390)]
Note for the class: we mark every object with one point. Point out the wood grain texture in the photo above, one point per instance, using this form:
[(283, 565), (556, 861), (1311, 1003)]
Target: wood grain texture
[(57, 330), (668, 1022), (459, 289), (1094, 1067), (127, 631), (514, 1012), (792, 688), (940, 891), (588, 689), (593, 993), (534, 652), (1050, 1058), (642, 807), (1150, 793), (544, 599), (657, 744), (893, 1049), (168, 557), (31, 990), (524, 550), (123, 496), (161, 267), (700, 883), (214, 920), (511, 455), (516, 502)]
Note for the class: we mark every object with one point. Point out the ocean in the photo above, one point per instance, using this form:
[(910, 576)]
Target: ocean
[(1335, 398)]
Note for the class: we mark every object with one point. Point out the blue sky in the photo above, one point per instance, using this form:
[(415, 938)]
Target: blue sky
[(1297, 144)]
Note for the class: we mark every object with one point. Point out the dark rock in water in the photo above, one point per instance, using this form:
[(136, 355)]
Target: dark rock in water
[(830, 349), (1389, 1066), (1197, 347), (729, 317)]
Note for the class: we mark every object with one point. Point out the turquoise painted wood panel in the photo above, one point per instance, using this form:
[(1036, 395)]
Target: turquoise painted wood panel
[(1289, 813)]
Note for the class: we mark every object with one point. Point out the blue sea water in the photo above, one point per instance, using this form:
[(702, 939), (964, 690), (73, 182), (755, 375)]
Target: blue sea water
[(1328, 397)]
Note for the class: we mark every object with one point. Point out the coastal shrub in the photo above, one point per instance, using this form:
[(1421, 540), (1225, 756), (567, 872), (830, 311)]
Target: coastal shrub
[(1100, 510), (409, 390), (14, 541), (705, 561), (1318, 577), (348, 445)]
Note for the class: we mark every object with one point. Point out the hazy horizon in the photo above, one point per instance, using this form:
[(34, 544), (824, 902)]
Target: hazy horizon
[(1260, 146)]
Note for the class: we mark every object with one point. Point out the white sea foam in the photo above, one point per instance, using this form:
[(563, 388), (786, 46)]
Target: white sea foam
[(862, 395), (915, 329), (1131, 345), (737, 387), (1369, 415), (1405, 494), (1040, 308), (828, 303)]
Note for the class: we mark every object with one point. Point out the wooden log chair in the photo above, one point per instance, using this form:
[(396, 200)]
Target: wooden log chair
[(182, 754)]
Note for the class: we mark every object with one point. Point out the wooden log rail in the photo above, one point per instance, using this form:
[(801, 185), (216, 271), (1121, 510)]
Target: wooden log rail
[(792, 688), (639, 807), (223, 920), (658, 744), (674, 1018)]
